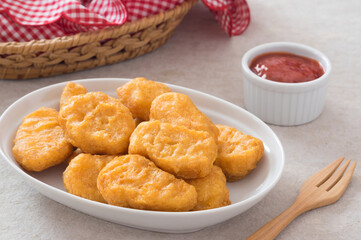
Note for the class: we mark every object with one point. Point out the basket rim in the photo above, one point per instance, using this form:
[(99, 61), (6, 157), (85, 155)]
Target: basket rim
[(94, 36)]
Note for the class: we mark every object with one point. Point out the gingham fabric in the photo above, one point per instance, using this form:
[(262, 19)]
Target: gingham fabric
[(26, 20), (232, 15)]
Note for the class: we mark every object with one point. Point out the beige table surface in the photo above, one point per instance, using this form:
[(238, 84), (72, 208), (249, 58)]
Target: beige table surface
[(201, 56)]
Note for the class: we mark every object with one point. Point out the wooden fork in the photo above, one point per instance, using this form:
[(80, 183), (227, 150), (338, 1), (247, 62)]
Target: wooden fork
[(323, 188)]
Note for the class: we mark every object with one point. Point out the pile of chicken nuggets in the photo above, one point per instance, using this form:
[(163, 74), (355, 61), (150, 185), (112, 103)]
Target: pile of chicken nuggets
[(150, 148)]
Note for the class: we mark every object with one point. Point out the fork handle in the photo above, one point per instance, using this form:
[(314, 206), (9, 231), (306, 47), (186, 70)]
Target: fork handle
[(276, 225)]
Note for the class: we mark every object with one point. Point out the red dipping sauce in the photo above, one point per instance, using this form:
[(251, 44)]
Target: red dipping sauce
[(286, 67)]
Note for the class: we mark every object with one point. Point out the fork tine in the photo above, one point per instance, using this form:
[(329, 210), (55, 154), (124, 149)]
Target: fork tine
[(321, 176), (336, 176), (341, 186)]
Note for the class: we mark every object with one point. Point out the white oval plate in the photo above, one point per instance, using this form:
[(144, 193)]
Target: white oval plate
[(243, 194)]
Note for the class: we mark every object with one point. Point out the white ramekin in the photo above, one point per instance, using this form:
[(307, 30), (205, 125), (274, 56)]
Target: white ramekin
[(285, 104)]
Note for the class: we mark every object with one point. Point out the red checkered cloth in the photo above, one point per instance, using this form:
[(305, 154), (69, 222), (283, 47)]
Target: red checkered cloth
[(26, 20), (232, 15)]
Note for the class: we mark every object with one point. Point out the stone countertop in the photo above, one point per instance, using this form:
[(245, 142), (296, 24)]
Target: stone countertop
[(201, 56)]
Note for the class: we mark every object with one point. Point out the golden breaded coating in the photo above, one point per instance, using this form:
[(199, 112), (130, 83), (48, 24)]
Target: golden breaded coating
[(71, 89), (184, 152), (80, 177), (75, 153), (138, 95), (134, 181), (97, 123), (212, 190), (238, 153), (40, 141), (177, 108)]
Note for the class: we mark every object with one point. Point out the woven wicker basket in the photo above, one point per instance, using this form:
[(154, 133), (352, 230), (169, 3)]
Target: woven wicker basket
[(22, 60)]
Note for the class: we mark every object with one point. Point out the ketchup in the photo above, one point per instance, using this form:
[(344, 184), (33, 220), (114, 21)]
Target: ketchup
[(286, 67)]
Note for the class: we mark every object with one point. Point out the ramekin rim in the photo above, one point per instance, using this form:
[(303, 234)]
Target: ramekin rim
[(269, 83)]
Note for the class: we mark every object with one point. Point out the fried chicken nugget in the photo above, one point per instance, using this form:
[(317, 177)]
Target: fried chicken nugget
[(177, 108), (211, 190), (238, 154), (134, 181), (138, 95), (39, 142), (184, 152), (80, 177), (71, 89), (97, 123)]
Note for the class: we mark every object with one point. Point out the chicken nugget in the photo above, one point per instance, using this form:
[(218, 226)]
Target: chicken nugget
[(238, 154), (138, 95), (134, 181), (80, 177), (177, 108), (184, 152), (97, 123), (71, 89), (211, 190), (39, 142)]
